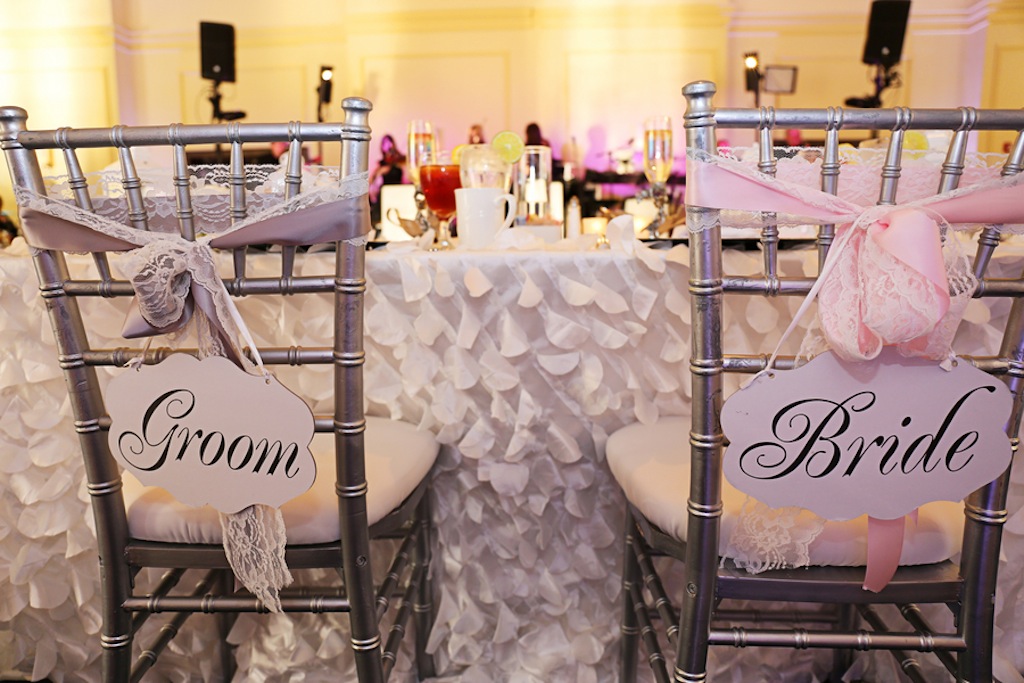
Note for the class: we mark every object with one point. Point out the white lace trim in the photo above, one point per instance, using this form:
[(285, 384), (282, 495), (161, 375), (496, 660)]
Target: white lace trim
[(254, 541), (765, 538), (210, 191)]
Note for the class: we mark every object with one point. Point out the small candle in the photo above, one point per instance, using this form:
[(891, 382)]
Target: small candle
[(594, 225)]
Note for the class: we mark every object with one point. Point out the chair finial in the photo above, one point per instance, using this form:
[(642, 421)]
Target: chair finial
[(12, 120)]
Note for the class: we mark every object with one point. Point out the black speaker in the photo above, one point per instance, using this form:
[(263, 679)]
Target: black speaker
[(217, 44), (886, 29)]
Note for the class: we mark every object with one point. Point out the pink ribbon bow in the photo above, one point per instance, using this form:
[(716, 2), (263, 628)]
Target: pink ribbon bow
[(888, 287)]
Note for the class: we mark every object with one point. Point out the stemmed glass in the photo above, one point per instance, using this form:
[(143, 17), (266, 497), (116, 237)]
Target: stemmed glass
[(439, 179), (482, 166), (421, 151), (658, 165)]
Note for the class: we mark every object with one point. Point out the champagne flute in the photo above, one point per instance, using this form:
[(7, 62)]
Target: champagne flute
[(421, 150), (658, 165), (440, 179)]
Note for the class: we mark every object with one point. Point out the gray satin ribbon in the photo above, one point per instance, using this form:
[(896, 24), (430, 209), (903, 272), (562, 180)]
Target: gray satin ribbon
[(333, 221)]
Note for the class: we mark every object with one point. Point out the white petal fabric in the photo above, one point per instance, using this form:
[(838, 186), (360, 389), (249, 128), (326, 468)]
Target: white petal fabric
[(497, 372), (575, 293), (416, 282), (643, 301), (528, 516), (443, 284), (650, 258), (608, 337), (761, 315), (564, 332), (514, 341), (430, 325), (559, 364), (531, 294), (608, 300), (469, 328), (477, 284), (461, 368)]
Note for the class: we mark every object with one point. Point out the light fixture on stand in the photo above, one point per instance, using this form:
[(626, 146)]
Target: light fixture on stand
[(323, 95), (752, 69), (323, 91), (770, 78)]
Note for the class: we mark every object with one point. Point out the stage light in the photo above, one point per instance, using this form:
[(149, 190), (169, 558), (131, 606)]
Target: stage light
[(324, 90), (752, 64)]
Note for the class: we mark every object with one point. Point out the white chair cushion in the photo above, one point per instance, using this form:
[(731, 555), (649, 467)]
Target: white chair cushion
[(652, 466), (398, 457)]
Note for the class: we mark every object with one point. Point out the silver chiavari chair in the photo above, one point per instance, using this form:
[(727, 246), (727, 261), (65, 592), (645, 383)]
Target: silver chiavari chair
[(342, 513), (679, 505)]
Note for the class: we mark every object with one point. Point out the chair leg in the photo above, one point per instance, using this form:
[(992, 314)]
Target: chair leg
[(225, 622), (423, 609), (842, 660), (986, 514), (117, 657), (116, 638), (630, 632), (699, 579)]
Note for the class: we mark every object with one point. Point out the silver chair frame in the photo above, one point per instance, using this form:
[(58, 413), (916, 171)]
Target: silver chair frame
[(121, 557), (967, 587)]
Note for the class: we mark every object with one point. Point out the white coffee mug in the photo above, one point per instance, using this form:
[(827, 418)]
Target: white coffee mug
[(482, 213)]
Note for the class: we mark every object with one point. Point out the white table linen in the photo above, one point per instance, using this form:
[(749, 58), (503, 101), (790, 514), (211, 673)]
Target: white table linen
[(522, 363)]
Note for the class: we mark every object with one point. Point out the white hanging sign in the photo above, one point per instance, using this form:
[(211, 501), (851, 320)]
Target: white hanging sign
[(211, 433), (881, 437)]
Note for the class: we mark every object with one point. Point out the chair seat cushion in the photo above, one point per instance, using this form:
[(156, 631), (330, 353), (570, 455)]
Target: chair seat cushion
[(652, 466), (398, 457)]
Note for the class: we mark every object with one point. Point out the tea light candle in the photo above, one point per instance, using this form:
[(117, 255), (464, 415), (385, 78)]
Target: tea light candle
[(594, 225)]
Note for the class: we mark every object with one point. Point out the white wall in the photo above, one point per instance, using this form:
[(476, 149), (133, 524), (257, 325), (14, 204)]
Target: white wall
[(588, 69)]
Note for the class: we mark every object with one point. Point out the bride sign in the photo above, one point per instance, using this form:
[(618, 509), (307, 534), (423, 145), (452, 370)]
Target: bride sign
[(880, 437)]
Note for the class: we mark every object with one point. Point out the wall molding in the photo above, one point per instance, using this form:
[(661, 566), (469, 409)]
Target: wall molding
[(67, 37), (480, 19)]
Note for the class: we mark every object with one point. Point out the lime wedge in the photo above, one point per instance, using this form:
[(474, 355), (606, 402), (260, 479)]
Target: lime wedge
[(508, 145), (915, 139)]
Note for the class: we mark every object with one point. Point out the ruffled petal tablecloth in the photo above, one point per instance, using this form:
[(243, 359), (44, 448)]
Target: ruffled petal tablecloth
[(522, 363)]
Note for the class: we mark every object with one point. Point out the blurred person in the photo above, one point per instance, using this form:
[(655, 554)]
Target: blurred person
[(390, 170), (8, 230), (534, 136), (476, 134)]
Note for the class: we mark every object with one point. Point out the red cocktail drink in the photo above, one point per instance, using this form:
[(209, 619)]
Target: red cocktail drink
[(439, 182)]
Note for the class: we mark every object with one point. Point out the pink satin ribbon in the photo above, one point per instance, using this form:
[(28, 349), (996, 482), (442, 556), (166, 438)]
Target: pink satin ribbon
[(908, 234), (331, 221)]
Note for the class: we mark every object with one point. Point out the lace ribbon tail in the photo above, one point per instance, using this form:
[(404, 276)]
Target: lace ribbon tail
[(254, 541)]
